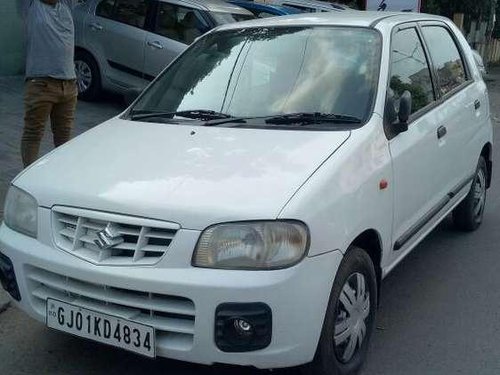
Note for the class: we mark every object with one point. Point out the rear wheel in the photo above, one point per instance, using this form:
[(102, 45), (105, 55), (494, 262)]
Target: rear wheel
[(468, 216), (88, 78), (349, 320)]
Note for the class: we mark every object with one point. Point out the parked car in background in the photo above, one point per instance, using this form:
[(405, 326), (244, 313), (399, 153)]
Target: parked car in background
[(245, 209), (311, 6), (262, 10), (125, 43)]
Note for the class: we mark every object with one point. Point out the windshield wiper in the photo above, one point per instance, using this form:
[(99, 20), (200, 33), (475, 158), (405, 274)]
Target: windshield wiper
[(312, 118), (196, 114), (305, 118)]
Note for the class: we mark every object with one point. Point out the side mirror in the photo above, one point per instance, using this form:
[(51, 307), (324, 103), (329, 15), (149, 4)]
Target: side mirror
[(131, 94), (397, 118), (404, 111)]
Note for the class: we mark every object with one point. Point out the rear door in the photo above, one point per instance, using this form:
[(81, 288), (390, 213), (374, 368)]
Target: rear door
[(419, 171), (174, 27), (460, 103), (116, 33)]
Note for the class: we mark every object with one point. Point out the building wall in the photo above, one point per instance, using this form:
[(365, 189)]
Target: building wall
[(11, 39)]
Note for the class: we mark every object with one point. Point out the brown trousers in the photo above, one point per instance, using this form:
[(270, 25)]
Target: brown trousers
[(47, 98)]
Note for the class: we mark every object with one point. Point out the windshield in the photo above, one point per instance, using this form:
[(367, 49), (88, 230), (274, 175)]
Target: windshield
[(221, 18), (272, 71)]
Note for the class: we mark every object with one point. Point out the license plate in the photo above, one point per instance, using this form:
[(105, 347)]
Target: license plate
[(108, 329)]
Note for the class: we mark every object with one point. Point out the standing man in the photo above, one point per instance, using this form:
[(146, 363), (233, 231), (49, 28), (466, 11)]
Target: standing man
[(50, 89)]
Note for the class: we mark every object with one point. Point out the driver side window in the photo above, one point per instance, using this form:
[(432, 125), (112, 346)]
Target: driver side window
[(410, 69), (180, 23)]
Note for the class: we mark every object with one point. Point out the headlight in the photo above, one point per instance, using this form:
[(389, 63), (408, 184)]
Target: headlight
[(252, 245), (21, 211)]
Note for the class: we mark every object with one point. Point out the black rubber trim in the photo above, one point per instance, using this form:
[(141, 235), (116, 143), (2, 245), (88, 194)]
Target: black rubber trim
[(130, 71), (429, 215), (8, 277), (461, 185)]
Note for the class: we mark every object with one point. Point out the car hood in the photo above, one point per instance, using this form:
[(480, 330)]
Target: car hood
[(191, 175)]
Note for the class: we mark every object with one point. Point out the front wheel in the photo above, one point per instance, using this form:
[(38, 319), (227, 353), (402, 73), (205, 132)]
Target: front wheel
[(350, 318), (468, 215), (88, 77)]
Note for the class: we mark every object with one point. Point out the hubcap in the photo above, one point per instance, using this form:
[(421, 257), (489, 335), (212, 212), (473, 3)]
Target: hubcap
[(353, 310), (83, 75), (479, 193)]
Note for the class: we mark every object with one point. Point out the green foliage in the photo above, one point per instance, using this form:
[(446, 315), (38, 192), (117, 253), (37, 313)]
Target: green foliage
[(474, 8)]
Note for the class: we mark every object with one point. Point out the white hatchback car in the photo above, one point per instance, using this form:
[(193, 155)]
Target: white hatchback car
[(246, 207)]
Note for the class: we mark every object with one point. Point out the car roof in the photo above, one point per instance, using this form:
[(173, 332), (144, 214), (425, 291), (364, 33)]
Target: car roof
[(217, 6), (358, 19), (264, 6)]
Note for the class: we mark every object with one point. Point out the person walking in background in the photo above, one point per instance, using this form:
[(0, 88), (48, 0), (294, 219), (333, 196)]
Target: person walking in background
[(50, 89)]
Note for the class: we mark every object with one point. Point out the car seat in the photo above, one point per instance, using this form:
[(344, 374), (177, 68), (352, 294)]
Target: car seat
[(189, 27)]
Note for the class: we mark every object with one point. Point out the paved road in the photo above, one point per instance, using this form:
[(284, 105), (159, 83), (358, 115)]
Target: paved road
[(439, 311)]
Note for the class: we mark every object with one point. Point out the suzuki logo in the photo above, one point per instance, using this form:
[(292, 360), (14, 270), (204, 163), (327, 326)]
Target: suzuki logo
[(108, 237)]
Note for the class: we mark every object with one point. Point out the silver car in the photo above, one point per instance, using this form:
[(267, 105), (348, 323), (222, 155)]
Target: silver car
[(124, 44)]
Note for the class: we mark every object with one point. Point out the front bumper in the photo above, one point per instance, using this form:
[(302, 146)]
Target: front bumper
[(297, 296)]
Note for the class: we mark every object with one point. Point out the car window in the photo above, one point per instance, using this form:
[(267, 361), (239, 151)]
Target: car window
[(221, 18), (446, 58), (410, 70), (299, 8), (105, 8), (131, 12), (265, 15), (180, 23)]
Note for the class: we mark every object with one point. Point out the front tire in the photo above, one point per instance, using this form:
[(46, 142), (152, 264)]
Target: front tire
[(468, 215), (350, 318), (88, 78)]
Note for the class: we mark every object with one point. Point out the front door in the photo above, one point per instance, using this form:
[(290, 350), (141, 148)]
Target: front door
[(174, 28), (420, 173), (117, 32)]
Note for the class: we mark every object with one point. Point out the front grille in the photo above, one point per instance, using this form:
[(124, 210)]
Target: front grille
[(172, 317), (144, 241)]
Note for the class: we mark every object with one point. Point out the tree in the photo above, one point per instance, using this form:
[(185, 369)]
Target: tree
[(477, 9)]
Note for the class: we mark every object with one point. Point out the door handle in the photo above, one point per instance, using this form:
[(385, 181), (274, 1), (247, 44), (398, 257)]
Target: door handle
[(155, 44), (96, 26), (477, 104), (441, 132)]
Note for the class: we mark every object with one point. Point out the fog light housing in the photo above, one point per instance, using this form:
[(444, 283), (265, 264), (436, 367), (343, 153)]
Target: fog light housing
[(243, 327), (8, 277)]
